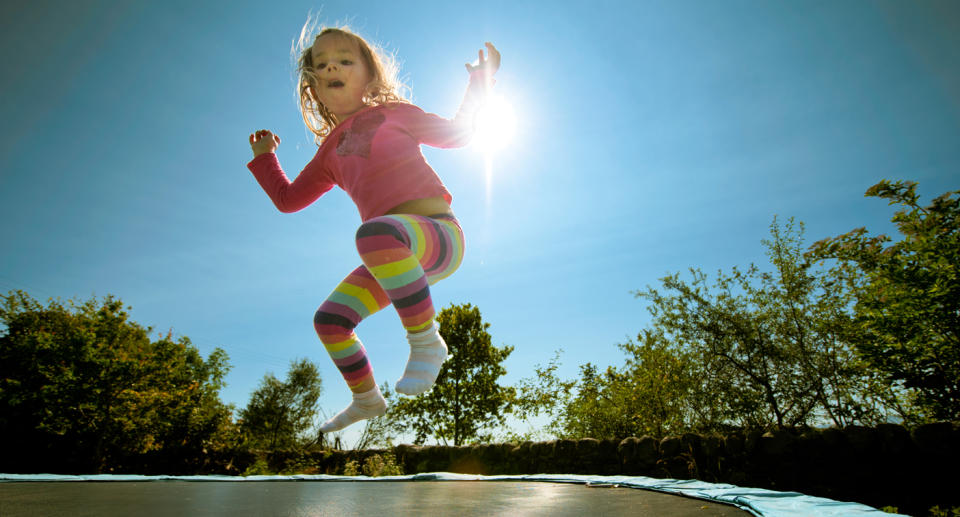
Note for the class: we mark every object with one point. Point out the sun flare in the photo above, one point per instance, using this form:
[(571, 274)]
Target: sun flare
[(496, 125)]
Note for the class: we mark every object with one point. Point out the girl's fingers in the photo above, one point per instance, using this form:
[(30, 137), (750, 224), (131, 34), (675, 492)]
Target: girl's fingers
[(261, 134), (493, 54), (492, 59)]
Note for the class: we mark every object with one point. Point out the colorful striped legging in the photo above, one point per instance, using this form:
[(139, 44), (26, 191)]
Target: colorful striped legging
[(402, 256)]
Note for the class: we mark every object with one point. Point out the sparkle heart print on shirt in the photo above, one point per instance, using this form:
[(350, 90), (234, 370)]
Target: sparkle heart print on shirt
[(356, 140)]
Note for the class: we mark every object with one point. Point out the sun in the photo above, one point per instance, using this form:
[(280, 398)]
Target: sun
[(496, 125), (495, 128)]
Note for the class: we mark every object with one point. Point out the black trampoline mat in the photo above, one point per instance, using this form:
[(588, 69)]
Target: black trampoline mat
[(341, 498)]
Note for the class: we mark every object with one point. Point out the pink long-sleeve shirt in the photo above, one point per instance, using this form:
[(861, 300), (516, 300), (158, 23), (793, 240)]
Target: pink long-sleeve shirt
[(374, 156)]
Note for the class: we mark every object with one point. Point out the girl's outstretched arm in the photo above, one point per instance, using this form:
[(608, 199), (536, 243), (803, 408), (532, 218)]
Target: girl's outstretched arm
[(263, 141), (439, 132), (286, 195)]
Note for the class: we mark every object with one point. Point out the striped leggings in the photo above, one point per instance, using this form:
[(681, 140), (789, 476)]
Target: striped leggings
[(402, 256)]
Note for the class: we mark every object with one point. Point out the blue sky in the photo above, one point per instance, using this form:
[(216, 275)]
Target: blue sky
[(651, 137)]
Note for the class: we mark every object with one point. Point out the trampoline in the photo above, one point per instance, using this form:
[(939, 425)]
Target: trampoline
[(434, 494)]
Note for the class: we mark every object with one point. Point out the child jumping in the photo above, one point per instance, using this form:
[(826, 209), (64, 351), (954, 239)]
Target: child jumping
[(369, 137)]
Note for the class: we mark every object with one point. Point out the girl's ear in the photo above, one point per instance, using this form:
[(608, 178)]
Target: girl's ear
[(371, 90)]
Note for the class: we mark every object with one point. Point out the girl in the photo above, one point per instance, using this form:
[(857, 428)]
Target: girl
[(369, 137)]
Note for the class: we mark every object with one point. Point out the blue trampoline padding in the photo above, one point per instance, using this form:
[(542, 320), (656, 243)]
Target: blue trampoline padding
[(758, 501)]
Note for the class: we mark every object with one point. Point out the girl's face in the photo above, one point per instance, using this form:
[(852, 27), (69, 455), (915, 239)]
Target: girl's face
[(342, 75)]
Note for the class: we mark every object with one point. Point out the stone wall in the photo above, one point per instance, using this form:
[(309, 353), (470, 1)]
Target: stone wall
[(886, 465)]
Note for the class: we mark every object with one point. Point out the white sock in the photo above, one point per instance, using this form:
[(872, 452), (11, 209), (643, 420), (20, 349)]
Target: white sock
[(427, 354), (365, 405)]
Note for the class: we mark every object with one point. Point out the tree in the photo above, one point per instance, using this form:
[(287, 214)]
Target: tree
[(654, 392), (466, 398), (776, 344), (664, 388), (755, 349), (279, 413), (83, 389), (189, 414), (542, 394), (908, 296)]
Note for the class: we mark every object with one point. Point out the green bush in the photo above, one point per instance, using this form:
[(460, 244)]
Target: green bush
[(351, 469), (374, 466), (385, 465), (259, 468)]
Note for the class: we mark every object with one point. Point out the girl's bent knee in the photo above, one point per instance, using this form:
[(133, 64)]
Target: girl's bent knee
[(327, 319)]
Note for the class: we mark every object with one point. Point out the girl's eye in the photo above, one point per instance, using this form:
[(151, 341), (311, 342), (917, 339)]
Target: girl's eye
[(321, 65), (346, 62)]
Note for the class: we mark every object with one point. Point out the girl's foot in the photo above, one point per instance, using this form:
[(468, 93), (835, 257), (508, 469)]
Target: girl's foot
[(427, 354), (368, 404)]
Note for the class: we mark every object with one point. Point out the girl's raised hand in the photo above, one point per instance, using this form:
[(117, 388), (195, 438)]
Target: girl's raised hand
[(488, 65), (263, 141)]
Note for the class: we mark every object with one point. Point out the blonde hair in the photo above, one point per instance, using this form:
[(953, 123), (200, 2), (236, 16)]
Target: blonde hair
[(384, 87)]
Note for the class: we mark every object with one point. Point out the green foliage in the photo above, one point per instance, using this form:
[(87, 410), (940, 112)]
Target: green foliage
[(84, 389), (856, 330), (466, 398), (654, 392), (908, 297), (772, 348), (352, 468), (374, 466), (259, 468), (280, 412), (386, 465), (657, 391), (752, 349), (542, 394)]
